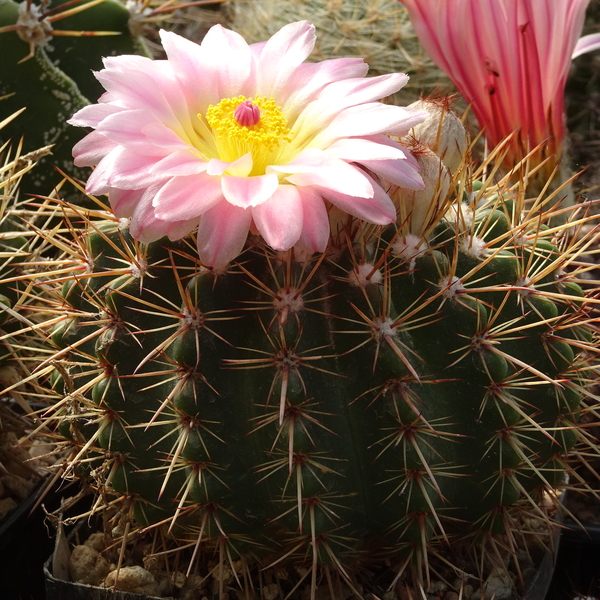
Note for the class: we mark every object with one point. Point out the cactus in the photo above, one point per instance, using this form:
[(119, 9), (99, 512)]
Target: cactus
[(51, 73), (398, 393)]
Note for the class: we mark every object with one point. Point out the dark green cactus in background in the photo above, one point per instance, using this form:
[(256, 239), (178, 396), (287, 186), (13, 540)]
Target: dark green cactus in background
[(52, 75), (381, 400)]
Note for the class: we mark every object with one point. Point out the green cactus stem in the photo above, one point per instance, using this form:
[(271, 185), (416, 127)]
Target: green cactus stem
[(329, 411)]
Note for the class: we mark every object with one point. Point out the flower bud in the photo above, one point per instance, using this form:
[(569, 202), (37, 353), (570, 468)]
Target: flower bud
[(442, 131), (420, 210)]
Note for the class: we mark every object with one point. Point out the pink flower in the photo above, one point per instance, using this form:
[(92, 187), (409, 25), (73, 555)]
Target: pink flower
[(509, 59), (226, 137)]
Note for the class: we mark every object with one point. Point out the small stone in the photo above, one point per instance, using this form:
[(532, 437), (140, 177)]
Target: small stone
[(133, 579), (437, 586), (86, 565), (17, 486), (97, 541), (270, 592), (451, 596), (498, 586)]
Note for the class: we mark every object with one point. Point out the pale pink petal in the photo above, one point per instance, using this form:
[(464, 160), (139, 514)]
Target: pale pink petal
[(350, 92), (164, 97), (315, 221), (221, 67), (249, 191), (282, 55), (378, 209), (369, 119), (124, 202), (222, 233), (310, 78), (279, 219), (122, 169), (356, 149), (586, 44), (134, 88), (146, 228), (399, 172), (232, 61), (240, 167), (89, 151), (183, 198), (337, 176), (139, 130), (93, 114), (181, 162), (194, 70)]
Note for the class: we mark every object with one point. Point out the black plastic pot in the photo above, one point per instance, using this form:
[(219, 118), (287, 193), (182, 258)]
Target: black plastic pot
[(24, 545), (577, 572)]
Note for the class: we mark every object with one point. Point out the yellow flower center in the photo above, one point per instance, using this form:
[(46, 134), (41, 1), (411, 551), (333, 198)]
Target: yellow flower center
[(258, 127)]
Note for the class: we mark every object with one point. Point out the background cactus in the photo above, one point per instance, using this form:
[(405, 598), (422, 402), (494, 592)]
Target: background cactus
[(379, 401), (50, 71), (377, 30)]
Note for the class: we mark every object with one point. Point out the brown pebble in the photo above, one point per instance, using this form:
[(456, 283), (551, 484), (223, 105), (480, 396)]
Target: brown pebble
[(133, 579), (86, 565), (97, 541), (17, 486)]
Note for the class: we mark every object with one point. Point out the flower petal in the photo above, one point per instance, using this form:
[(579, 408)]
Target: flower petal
[(124, 202), (279, 219), (146, 228), (240, 167), (222, 233), (91, 149), (184, 198), (181, 162), (335, 175), (357, 149), (122, 169), (586, 44), (282, 55), (378, 209), (310, 78), (141, 131), (403, 173), (369, 119), (93, 114), (249, 191), (315, 221), (221, 67)]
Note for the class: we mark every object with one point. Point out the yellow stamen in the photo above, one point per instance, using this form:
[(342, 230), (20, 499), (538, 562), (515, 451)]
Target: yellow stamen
[(263, 140)]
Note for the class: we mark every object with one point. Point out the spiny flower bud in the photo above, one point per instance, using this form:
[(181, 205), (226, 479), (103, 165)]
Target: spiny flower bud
[(419, 210), (442, 131)]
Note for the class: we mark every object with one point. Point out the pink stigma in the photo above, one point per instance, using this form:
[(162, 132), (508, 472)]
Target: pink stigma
[(247, 114)]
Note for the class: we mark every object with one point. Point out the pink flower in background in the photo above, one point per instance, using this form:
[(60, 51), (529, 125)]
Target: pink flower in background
[(226, 137), (509, 59)]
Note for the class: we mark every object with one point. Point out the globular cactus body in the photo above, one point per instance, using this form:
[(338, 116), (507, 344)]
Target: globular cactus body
[(297, 409)]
